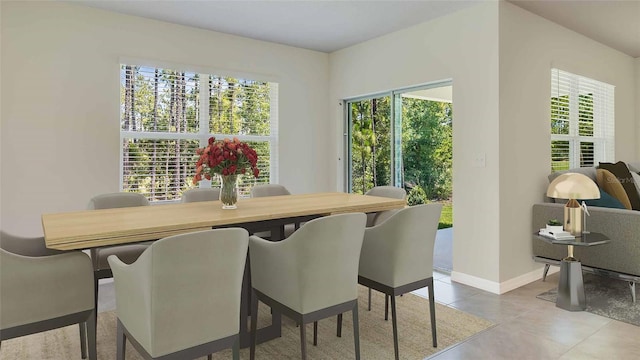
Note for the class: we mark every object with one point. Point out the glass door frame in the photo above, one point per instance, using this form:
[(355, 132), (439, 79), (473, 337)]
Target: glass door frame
[(396, 136)]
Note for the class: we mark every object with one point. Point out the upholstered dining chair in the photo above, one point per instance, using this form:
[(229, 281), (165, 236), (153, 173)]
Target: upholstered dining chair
[(388, 192), (201, 194), (397, 257), (378, 217), (43, 289), (181, 298), (310, 275), (127, 253), (262, 190)]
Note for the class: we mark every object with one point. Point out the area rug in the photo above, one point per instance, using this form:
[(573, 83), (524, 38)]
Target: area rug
[(376, 337), (606, 297)]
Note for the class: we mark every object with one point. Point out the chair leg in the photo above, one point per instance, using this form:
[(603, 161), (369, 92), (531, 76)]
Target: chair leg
[(356, 331), (303, 341), (632, 287), (386, 307), (394, 321), (83, 339), (369, 302), (236, 349), (209, 357), (120, 342), (254, 325), (339, 332), (432, 308), (546, 270), (91, 328), (315, 333), (95, 294)]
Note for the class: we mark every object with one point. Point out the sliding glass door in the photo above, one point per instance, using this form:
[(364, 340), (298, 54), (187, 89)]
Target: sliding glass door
[(402, 138)]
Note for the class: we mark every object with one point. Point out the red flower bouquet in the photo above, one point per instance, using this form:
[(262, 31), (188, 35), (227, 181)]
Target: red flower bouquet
[(225, 157)]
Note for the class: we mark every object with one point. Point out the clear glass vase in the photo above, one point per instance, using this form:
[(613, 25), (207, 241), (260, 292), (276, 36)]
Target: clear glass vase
[(229, 191)]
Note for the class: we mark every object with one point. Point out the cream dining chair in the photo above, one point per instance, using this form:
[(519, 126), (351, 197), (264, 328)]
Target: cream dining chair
[(181, 298), (43, 289), (397, 257), (201, 194), (378, 217), (263, 190), (127, 253), (310, 275), (388, 192)]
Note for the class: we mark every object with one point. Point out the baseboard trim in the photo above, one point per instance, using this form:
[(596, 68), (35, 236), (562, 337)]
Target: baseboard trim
[(503, 287)]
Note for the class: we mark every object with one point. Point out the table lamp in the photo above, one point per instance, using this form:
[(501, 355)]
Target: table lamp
[(573, 186)]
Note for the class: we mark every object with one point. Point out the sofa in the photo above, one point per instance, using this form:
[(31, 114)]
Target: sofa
[(620, 258)]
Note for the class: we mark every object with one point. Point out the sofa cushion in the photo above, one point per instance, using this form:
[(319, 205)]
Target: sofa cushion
[(605, 200), (610, 184), (621, 171)]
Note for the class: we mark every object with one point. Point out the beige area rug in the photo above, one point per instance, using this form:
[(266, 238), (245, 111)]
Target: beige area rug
[(376, 336)]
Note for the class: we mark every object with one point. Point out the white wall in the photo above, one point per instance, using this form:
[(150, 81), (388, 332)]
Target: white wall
[(637, 107), (463, 47), (60, 88), (529, 47), (499, 57)]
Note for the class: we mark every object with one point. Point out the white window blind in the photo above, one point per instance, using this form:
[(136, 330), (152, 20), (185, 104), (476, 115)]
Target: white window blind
[(582, 121), (167, 114)]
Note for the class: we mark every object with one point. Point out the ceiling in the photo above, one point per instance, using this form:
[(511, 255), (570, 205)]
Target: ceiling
[(328, 26)]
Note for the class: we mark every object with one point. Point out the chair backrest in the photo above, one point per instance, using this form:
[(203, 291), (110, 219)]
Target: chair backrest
[(326, 251), (191, 285), (262, 190), (388, 192), (38, 289), (117, 200), (34, 246), (201, 194), (399, 250)]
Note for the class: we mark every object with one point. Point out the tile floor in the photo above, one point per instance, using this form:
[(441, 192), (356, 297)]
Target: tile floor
[(526, 327)]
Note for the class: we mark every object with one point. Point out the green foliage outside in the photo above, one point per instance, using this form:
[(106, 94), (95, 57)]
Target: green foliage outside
[(446, 217), (425, 154), (417, 196)]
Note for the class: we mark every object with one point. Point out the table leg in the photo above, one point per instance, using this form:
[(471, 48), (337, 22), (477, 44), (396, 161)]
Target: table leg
[(262, 334), (571, 286)]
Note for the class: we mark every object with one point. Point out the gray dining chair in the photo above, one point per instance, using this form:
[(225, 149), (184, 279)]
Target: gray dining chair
[(201, 194), (181, 298), (388, 192), (263, 190), (127, 253), (310, 275), (380, 216), (397, 257), (43, 289)]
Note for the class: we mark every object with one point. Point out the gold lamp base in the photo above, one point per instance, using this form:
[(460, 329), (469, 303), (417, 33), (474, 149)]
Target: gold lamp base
[(573, 218)]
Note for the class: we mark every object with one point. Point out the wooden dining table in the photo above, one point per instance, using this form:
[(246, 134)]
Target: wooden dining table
[(87, 229)]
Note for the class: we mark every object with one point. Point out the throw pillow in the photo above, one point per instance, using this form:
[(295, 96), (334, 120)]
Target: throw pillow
[(605, 200), (611, 185), (621, 171), (636, 181)]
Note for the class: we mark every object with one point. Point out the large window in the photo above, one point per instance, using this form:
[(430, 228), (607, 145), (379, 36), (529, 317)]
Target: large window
[(582, 121), (166, 114)]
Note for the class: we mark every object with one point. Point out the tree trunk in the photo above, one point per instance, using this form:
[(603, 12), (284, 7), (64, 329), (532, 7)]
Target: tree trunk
[(374, 110), (154, 154)]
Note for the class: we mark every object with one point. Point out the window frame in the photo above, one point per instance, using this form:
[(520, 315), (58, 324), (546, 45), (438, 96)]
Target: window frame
[(603, 103), (203, 134)]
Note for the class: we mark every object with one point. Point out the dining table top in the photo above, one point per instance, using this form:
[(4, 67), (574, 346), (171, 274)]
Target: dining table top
[(94, 228)]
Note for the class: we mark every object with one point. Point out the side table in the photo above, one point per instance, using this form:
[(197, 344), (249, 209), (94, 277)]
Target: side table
[(571, 286)]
